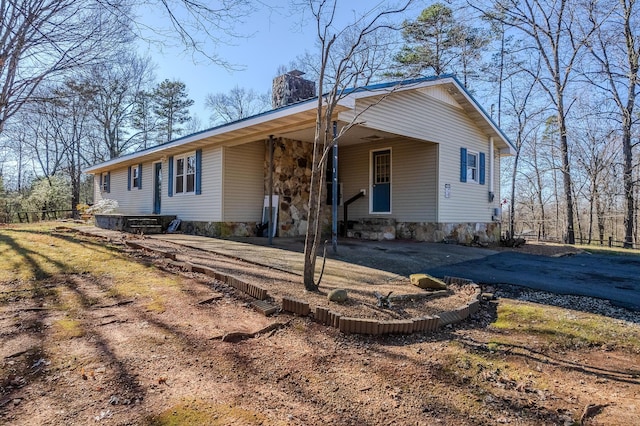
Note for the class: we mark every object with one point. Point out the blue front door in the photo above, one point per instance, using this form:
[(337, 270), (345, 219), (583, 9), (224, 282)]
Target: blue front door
[(381, 182), (157, 187)]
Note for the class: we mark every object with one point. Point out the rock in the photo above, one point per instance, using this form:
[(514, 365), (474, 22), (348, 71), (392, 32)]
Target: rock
[(337, 295), (427, 281)]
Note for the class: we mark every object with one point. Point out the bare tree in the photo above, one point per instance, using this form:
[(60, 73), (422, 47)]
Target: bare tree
[(72, 125), (556, 33), (199, 26), (111, 97), (618, 59), (522, 112), (236, 104), (344, 60), (43, 39), (596, 156)]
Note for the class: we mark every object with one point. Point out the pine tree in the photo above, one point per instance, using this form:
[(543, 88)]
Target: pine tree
[(438, 42), (171, 107)]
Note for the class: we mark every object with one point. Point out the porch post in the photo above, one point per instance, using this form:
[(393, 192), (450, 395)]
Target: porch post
[(334, 188), (270, 213)]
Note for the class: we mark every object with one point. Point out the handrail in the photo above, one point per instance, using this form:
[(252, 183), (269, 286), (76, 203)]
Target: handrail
[(346, 209)]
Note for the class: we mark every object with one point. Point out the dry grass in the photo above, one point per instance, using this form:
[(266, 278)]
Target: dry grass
[(564, 328)]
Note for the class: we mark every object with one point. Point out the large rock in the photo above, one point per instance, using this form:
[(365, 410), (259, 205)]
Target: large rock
[(337, 295), (427, 281)]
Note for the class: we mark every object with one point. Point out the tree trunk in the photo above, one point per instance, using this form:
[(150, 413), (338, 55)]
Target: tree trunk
[(512, 208), (313, 236), (600, 220), (628, 185), (566, 171)]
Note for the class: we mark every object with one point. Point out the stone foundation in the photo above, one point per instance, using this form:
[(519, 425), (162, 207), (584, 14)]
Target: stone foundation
[(125, 223), (219, 229), (378, 229), (375, 229)]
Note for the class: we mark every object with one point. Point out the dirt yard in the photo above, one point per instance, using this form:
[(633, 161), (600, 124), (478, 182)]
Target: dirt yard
[(93, 332)]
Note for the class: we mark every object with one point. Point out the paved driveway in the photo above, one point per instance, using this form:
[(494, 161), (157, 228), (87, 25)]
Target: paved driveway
[(612, 277)]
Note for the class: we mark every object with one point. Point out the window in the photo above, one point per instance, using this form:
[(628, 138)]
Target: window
[(134, 177), (105, 184), (472, 167), (185, 174), (191, 173)]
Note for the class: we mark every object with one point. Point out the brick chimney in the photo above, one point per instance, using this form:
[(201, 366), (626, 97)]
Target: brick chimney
[(290, 88)]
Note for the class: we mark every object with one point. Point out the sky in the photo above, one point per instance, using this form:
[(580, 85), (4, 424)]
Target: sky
[(275, 37)]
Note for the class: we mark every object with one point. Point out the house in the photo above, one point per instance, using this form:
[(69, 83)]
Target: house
[(422, 162)]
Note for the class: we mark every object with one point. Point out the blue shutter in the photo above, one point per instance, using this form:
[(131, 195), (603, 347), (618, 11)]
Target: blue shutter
[(463, 164), (140, 176), (482, 168), (170, 183), (108, 182), (199, 172), (129, 179)]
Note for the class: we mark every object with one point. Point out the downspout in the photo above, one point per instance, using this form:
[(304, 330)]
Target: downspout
[(270, 220), (491, 166), (334, 188)]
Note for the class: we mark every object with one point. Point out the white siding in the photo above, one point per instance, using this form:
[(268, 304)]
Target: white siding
[(423, 116), (413, 179), (244, 182), (206, 207), (134, 201), (97, 193), (439, 93)]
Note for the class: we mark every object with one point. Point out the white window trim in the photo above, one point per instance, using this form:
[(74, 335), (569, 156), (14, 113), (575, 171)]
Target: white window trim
[(184, 181), (105, 182), (470, 178), (371, 212), (134, 176)]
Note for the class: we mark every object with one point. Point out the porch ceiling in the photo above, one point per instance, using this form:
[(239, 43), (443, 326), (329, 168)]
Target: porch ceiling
[(227, 135)]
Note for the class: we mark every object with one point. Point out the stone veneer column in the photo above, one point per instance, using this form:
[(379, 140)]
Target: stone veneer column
[(291, 182)]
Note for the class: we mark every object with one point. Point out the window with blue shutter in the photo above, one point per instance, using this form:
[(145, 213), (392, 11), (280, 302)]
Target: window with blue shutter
[(185, 174), (140, 176), (129, 179), (105, 182), (472, 166)]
